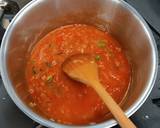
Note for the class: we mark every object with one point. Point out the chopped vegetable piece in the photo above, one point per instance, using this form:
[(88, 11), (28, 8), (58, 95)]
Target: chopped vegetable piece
[(32, 104), (34, 70), (50, 45), (49, 78), (97, 57), (101, 44), (110, 53), (59, 53)]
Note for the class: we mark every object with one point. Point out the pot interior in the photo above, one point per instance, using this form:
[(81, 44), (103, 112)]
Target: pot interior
[(42, 16)]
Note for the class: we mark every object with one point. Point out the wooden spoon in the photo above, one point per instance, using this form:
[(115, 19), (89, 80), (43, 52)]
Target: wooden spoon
[(83, 68)]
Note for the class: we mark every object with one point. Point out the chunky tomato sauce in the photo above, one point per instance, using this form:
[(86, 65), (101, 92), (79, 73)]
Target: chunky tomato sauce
[(55, 95)]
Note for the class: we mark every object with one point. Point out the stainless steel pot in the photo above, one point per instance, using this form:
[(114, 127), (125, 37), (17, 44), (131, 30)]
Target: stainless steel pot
[(41, 16)]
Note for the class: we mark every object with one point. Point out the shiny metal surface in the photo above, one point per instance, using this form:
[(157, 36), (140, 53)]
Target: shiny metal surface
[(3, 3), (39, 17)]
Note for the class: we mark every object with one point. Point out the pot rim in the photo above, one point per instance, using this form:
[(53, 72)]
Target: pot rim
[(132, 109)]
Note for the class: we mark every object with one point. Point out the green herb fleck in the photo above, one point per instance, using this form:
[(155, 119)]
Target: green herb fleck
[(48, 64), (33, 61), (49, 78), (110, 54), (97, 57), (101, 44)]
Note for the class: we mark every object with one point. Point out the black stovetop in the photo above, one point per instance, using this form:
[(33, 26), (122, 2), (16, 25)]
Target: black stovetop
[(148, 116)]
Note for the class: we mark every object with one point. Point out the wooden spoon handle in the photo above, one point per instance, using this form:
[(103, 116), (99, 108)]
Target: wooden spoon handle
[(113, 106)]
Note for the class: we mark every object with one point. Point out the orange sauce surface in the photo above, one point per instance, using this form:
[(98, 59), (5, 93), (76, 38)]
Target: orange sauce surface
[(59, 98)]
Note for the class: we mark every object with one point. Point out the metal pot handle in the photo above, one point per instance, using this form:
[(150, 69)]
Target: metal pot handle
[(2, 30), (8, 9)]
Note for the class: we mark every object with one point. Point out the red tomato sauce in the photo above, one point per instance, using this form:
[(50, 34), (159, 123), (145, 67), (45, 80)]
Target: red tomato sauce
[(55, 95)]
